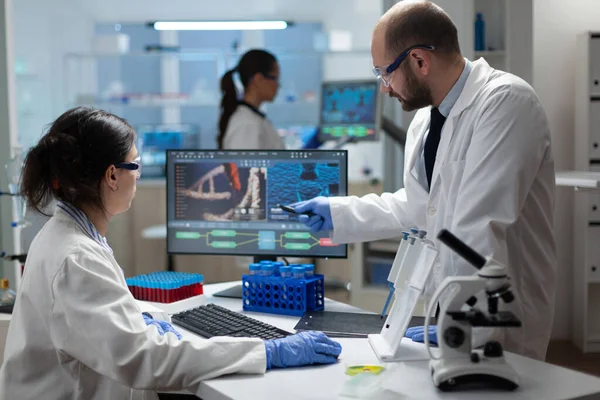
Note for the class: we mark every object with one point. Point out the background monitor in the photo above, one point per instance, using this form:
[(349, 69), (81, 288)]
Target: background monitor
[(350, 110), (226, 202), (154, 140)]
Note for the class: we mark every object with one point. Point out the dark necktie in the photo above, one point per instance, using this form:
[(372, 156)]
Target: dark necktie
[(432, 141)]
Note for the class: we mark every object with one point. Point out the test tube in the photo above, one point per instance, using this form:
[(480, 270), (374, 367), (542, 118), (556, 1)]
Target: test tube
[(255, 269), (267, 269), (298, 272), (285, 271), (151, 290), (199, 284), (163, 291), (278, 264), (169, 286), (186, 292), (309, 270)]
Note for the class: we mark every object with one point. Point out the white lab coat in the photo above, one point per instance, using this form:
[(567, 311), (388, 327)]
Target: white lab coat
[(77, 332), (248, 130), (492, 186)]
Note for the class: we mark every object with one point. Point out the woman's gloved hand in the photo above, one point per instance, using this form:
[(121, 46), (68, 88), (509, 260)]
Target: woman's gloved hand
[(304, 348), (162, 326)]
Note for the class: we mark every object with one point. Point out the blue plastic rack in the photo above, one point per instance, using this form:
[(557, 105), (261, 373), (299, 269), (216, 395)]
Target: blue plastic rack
[(278, 295)]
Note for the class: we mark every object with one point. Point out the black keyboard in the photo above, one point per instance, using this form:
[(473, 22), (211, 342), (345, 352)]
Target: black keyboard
[(212, 320)]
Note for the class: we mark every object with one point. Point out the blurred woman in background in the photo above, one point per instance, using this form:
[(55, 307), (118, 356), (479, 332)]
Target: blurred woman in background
[(242, 125)]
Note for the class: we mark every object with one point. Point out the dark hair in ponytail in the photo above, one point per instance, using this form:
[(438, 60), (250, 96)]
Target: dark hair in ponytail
[(252, 62), (70, 160)]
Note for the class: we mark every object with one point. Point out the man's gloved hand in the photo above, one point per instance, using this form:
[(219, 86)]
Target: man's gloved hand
[(304, 348), (417, 334), (311, 141), (320, 207), (162, 326)]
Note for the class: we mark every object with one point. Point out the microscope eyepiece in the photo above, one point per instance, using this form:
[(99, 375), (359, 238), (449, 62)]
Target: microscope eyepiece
[(458, 246)]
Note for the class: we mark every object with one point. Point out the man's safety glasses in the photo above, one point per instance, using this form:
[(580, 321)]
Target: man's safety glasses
[(384, 75)]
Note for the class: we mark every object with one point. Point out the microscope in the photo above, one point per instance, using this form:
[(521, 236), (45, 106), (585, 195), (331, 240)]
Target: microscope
[(459, 366)]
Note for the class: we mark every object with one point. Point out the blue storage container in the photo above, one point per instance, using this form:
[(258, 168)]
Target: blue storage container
[(479, 32)]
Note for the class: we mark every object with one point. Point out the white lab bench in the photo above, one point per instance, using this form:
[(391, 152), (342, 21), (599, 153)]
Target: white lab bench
[(538, 380)]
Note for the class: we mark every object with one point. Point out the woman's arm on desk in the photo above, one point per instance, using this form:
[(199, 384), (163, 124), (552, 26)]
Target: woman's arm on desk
[(97, 322)]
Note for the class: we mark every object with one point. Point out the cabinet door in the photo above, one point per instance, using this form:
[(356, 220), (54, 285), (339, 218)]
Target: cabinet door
[(595, 66), (594, 200), (594, 144), (593, 251)]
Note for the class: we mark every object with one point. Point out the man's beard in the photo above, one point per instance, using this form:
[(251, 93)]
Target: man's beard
[(419, 94)]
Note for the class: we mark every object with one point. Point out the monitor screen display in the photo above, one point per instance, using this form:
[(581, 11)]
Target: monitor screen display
[(350, 109), (227, 202)]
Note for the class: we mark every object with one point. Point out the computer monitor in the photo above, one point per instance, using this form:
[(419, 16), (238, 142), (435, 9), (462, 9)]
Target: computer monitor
[(226, 202), (156, 139), (350, 111)]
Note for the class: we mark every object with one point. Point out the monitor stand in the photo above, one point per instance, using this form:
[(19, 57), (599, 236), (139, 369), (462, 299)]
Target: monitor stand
[(235, 292)]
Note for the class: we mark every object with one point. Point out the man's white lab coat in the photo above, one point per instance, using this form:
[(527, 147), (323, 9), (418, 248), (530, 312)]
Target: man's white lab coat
[(492, 186)]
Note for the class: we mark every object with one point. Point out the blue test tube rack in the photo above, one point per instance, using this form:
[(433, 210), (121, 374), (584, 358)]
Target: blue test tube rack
[(288, 296)]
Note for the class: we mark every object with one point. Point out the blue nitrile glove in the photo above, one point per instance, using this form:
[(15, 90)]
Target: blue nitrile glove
[(167, 327), (304, 348), (162, 326), (417, 334), (319, 206)]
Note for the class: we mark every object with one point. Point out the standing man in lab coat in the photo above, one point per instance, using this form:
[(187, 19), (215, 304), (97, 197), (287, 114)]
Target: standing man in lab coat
[(478, 162)]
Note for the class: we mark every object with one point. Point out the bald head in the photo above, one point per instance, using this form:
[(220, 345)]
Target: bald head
[(409, 23)]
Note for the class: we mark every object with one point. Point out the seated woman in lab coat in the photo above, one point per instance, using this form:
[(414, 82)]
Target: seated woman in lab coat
[(76, 331), (242, 125)]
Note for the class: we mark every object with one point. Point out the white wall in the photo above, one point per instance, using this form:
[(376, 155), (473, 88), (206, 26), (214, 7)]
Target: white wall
[(44, 32), (462, 13), (556, 24)]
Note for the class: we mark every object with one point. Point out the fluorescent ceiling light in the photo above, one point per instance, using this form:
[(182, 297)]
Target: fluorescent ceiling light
[(219, 25)]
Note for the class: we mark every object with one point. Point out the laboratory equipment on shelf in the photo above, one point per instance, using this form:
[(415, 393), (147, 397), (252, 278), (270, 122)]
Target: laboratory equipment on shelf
[(13, 257), (20, 258), (156, 139), (7, 295), (13, 175), (458, 365)]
